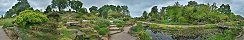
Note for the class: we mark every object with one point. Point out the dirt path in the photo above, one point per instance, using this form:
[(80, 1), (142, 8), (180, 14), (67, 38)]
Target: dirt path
[(123, 35), (3, 36)]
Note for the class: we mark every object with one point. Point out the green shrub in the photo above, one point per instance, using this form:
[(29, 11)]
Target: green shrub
[(103, 31), (228, 35), (30, 17), (137, 28), (119, 23), (144, 36)]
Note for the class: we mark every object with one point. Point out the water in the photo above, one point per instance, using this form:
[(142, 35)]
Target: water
[(158, 35)]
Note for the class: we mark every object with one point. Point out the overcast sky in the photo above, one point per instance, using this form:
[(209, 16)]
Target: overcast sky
[(136, 7)]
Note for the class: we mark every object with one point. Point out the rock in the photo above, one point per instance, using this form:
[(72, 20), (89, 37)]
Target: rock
[(11, 33)]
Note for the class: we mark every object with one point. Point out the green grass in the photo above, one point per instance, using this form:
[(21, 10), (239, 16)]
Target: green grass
[(6, 22), (228, 35)]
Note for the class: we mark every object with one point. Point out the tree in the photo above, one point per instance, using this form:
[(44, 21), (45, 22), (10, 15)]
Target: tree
[(124, 10), (48, 9), (2, 16), (30, 17), (192, 3), (75, 4), (103, 11), (225, 9), (113, 14), (83, 11), (20, 6), (177, 4), (213, 7), (144, 15), (60, 4), (154, 12), (93, 10), (162, 13)]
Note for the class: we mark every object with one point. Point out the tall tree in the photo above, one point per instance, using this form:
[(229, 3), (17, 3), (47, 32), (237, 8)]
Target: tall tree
[(83, 11), (154, 12), (20, 6), (213, 7), (48, 9), (60, 4), (93, 10), (225, 9), (75, 4), (144, 15), (192, 3), (162, 12)]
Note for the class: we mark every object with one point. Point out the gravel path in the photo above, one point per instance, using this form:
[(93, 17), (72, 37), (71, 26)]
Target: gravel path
[(3, 36), (123, 35)]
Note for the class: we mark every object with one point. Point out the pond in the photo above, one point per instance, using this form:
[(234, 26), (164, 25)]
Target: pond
[(158, 35), (164, 36)]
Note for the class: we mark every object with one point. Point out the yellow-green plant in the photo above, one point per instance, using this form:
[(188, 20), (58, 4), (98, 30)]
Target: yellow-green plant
[(30, 17)]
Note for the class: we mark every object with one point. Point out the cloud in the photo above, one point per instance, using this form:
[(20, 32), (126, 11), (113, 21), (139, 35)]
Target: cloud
[(5, 5), (136, 7), (39, 4)]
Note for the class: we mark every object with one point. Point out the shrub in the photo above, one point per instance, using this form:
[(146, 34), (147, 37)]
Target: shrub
[(119, 23), (228, 35), (144, 36), (30, 17), (103, 31), (137, 28)]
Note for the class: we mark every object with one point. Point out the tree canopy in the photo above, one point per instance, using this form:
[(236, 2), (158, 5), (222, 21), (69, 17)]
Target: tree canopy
[(60, 4), (194, 13), (20, 6), (75, 4)]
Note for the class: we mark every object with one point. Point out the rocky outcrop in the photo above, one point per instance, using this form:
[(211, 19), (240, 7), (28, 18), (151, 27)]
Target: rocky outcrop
[(11, 33)]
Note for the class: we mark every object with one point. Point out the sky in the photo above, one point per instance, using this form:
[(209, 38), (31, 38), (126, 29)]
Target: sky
[(136, 7)]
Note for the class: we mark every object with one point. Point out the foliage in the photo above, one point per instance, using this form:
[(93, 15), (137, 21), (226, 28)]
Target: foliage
[(6, 22), (227, 35), (144, 36), (54, 16), (17, 8), (101, 26), (105, 10), (93, 10), (153, 26), (137, 28), (30, 17), (75, 4), (103, 31), (145, 14), (119, 23), (48, 9), (154, 12), (192, 13), (60, 4), (83, 11)]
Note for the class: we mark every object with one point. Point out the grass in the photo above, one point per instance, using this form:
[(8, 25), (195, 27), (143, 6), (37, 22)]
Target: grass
[(228, 35), (6, 21)]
